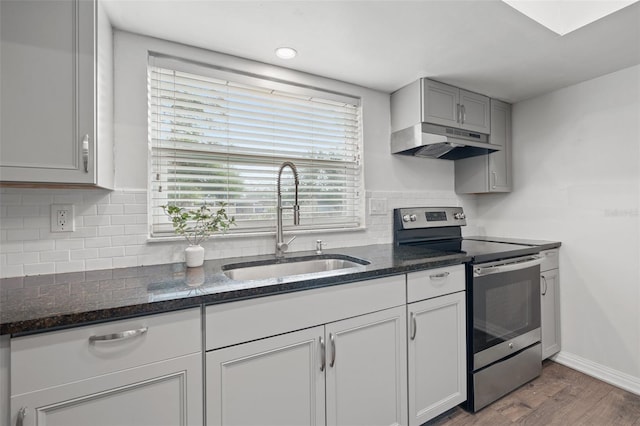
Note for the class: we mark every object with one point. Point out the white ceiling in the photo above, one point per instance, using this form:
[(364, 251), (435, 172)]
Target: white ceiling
[(483, 45)]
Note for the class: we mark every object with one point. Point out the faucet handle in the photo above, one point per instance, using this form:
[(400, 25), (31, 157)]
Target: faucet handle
[(285, 246)]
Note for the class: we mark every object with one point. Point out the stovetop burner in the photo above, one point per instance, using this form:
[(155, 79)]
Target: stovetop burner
[(439, 228)]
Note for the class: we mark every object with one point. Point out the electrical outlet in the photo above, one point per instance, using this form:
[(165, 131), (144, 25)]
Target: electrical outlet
[(62, 218), (378, 206)]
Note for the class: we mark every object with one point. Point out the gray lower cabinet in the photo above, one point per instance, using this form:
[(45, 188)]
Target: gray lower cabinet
[(330, 356), (52, 75), (493, 172), (343, 373), (436, 343), (550, 303), (144, 372)]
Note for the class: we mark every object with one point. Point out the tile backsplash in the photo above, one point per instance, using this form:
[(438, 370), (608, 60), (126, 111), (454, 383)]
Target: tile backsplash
[(111, 230)]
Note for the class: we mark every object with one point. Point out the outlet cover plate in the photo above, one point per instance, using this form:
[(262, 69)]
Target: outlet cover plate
[(62, 218), (378, 206)]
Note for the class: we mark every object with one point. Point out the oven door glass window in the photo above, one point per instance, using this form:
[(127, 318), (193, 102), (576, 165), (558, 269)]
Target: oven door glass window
[(505, 305)]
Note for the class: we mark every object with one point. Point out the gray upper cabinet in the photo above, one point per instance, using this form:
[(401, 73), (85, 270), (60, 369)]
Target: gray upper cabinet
[(454, 107), (56, 95), (489, 173)]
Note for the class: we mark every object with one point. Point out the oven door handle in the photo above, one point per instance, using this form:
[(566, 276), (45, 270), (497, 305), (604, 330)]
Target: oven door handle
[(508, 267)]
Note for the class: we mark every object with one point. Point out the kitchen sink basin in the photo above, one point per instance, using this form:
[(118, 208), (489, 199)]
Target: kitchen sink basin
[(326, 265)]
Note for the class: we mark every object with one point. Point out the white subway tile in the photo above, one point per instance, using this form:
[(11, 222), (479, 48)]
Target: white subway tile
[(7, 199), (111, 230), (111, 252), (97, 242), (123, 219), (142, 198), (39, 222), (39, 268), (137, 250), (135, 229), (87, 210), (125, 240), (135, 208), (22, 258), (72, 266), (42, 245), (12, 271), (70, 244), (110, 209), (125, 261), (22, 234), (122, 198), (100, 220), (87, 253), (93, 264), (68, 198), (12, 223), (55, 256)]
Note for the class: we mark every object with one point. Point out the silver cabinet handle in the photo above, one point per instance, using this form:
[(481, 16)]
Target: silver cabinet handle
[(323, 354), (495, 179), (22, 413), (458, 115), (85, 153), (544, 281), (118, 336), (440, 275), (332, 338), (464, 114), (414, 326)]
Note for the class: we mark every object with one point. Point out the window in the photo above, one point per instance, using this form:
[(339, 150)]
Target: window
[(221, 136)]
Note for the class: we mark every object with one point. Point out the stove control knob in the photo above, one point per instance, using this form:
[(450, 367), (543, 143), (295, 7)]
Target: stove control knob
[(413, 218), (406, 218), (459, 216)]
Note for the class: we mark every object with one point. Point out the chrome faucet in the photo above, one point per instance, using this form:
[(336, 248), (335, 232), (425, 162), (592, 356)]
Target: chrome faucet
[(281, 246)]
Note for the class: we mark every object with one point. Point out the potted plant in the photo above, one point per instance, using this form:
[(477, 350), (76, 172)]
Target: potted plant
[(196, 226)]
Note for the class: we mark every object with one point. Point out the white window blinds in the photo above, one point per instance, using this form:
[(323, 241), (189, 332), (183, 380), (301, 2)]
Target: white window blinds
[(219, 139)]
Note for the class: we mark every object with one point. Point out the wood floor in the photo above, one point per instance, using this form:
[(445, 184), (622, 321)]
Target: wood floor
[(560, 396)]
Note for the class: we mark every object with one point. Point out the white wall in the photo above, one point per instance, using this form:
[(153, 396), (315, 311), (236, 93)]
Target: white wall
[(576, 163), (111, 227)]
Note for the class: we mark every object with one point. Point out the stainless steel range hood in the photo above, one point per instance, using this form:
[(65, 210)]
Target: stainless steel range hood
[(433, 141)]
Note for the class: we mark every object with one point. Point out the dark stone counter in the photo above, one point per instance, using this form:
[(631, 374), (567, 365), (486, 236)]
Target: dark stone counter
[(540, 244), (47, 302)]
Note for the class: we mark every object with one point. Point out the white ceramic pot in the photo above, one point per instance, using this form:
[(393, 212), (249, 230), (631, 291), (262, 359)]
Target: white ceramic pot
[(194, 256)]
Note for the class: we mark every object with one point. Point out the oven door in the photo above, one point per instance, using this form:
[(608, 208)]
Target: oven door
[(506, 308)]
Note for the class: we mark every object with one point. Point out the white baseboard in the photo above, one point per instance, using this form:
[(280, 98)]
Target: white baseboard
[(606, 374)]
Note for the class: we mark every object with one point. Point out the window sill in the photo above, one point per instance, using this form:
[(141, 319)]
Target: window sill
[(287, 230)]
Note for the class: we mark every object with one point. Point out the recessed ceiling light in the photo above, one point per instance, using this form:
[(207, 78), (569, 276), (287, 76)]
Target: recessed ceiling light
[(286, 52), (564, 16)]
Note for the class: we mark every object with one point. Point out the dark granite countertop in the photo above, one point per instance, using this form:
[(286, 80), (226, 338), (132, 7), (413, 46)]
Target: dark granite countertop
[(541, 244), (47, 302)]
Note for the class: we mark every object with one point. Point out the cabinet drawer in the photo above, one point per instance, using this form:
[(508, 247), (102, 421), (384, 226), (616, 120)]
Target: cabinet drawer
[(435, 282), (232, 323), (550, 259), (60, 357)]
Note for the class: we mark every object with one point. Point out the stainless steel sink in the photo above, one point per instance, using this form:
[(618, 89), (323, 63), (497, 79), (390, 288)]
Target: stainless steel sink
[(287, 267)]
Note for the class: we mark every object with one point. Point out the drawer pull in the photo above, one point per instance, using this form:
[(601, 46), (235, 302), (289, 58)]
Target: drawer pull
[(118, 336), (439, 276), (22, 413)]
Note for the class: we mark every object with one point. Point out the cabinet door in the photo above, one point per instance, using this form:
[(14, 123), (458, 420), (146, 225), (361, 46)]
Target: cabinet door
[(550, 318), (437, 356), (366, 369), (47, 84), (500, 161), (475, 112), (440, 103), (163, 393), (273, 381)]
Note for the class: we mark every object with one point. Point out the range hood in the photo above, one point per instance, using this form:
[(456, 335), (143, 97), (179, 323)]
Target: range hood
[(434, 141)]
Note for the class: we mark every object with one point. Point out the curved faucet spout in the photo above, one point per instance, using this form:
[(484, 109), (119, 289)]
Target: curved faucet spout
[(281, 246)]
